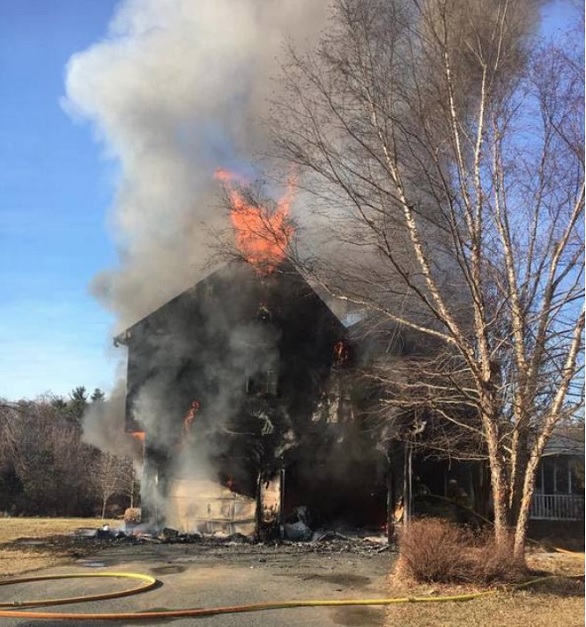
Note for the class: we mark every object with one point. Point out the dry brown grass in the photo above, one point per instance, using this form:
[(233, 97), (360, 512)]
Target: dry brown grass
[(558, 601), (17, 556)]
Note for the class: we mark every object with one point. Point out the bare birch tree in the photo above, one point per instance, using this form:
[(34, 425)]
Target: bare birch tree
[(112, 475), (441, 145)]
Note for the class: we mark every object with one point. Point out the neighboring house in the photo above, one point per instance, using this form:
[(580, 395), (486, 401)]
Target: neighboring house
[(559, 488)]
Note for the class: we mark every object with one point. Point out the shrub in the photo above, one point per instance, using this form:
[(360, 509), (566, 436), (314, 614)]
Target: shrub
[(432, 549), (436, 550), (492, 563), (132, 515)]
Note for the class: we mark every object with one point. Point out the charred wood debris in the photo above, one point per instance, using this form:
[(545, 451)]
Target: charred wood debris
[(357, 541)]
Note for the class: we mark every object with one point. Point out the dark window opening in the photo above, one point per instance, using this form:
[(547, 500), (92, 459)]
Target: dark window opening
[(577, 476), (264, 383), (562, 479), (548, 476), (557, 475)]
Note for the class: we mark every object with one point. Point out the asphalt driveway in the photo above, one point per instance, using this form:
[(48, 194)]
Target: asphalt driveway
[(204, 575)]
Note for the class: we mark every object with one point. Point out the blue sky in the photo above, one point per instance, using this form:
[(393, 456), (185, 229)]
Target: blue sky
[(56, 190)]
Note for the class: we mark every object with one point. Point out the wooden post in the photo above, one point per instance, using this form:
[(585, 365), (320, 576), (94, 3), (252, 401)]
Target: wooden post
[(268, 504), (282, 504), (395, 491), (390, 507)]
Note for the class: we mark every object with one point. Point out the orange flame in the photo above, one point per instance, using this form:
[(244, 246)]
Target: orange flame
[(139, 435), (190, 417), (262, 236), (340, 353)]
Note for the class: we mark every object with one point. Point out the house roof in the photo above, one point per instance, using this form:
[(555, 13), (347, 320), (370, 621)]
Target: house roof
[(567, 440), (373, 335), (233, 270)]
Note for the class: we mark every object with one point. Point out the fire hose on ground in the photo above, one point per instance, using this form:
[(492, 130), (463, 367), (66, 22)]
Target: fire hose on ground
[(148, 583)]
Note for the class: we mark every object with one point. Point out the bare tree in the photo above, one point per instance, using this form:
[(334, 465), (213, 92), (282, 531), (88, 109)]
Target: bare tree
[(112, 475), (444, 143), (43, 459)]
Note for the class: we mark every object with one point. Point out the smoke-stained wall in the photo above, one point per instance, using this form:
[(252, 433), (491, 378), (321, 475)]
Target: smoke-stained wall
[(228, 376)]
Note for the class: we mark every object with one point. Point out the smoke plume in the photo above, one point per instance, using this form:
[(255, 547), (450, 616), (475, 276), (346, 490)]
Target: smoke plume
[(103, 426), (175, 90)]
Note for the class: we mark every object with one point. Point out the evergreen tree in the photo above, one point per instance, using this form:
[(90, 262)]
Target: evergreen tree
[(78, 403), (97, 395)]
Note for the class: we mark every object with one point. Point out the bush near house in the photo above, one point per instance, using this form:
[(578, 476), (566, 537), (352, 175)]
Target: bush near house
[(437, 550)]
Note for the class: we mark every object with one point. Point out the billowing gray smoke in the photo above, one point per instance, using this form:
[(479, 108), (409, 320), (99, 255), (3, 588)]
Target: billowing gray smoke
[(174, 91)]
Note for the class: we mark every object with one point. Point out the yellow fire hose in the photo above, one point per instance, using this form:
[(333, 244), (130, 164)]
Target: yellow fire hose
[(148, 583), (198, 612)]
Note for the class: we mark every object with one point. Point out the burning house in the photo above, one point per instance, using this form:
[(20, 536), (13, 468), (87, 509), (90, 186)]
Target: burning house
[(239, 387), (244, 392)]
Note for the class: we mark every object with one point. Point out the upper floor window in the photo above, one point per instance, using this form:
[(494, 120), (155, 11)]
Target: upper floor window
[(265, 383)]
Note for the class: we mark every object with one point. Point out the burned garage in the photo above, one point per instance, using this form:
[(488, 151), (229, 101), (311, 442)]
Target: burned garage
[(240, 389)]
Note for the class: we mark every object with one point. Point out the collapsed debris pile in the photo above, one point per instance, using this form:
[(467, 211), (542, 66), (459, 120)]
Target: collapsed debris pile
[(321, 541)]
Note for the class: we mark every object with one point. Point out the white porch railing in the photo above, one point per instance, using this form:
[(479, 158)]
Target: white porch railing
[(557, 507)]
